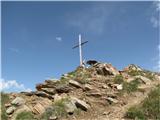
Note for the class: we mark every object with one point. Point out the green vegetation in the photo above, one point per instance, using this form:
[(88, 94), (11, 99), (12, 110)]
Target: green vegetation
[(135, 73), (148, 109), (149, 75), (131, 87), (57, 109), (118, 79), (25, 116), (135, 113), (4, 99)]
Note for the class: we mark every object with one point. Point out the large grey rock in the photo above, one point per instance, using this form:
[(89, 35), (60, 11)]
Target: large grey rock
[(75, 83), (80, 104), (111, 100), (43, 94), (49, 90), (88, 87), (18, 101), (70, 107), (144, 79), (57, 97), (63, 88), (106, 69), (38, 109), (10, 110)]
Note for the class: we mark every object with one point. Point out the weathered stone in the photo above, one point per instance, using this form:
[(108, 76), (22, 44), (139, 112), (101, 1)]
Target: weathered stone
[(95, 94), (106, 69), (132, 67), (119, 87), (57, 97), (53, 117), (75, 83), (49, 90), (111, 100), (18, 101), (144, 79), (7, 105), (20, 110), (105, 86), (38, 109), (10, 110), (70, 107), (43, 94), (80, 104), (88, 87), (63, 88), (28, 93)]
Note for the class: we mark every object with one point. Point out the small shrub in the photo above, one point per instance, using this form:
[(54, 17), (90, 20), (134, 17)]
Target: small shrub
[(135, 73), (3, 100), (149, 107), (25, 116), (149, 75), (57, 109), (118, 79), (135, 113), (131, 87)]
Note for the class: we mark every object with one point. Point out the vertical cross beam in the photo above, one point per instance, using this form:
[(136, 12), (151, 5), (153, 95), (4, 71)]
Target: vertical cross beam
[(80, 50)]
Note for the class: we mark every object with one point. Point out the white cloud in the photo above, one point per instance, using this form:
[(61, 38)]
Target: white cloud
[(92, 19), (155, 20), (12, 86), (59, 39)]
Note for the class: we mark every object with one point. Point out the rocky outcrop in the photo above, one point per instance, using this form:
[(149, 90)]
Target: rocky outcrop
[(106, 69), (84, 89), (80, 104)]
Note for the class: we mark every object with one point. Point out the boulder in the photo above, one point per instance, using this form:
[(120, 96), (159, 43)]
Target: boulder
[(57, 97), (80, 104), (28, 93), (95, 94), (119, 87), (10, 110), (18, 101), (38, 109), (75, 83), (88, 87), (111, 100), (106, 69), (63, 88), (43, 94), (53, 117), (49, 90), (20, 110), (70, 107), (7, 105), (144, 79), (132, 67)]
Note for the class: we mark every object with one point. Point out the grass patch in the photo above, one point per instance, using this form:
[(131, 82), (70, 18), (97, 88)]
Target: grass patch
[(3, 100), (57, 109), (149, 75), (131, 87), (148, 109), (25, 116), (118, 79), (135, 113), (135, 73)]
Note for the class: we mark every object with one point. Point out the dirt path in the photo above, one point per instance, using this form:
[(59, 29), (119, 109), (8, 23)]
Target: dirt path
[(118, 112)]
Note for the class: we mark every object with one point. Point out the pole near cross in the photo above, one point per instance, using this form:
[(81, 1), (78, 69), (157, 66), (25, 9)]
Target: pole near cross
[(80, 49)]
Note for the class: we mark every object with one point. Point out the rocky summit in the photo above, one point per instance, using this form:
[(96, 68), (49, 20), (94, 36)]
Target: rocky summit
[(96, 92)]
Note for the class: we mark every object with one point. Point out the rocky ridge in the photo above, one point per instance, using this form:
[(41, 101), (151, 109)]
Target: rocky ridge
[(92, 90)]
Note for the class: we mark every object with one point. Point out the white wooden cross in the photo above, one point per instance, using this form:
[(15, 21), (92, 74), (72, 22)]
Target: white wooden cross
[(80, 49)]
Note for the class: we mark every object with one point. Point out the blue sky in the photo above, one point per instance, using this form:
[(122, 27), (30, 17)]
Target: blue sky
[(37, 37)]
